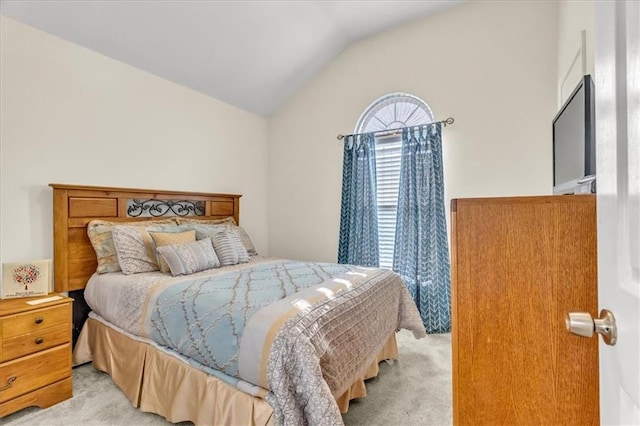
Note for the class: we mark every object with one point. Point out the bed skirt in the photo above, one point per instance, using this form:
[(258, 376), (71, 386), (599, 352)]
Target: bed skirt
[(157, 382)]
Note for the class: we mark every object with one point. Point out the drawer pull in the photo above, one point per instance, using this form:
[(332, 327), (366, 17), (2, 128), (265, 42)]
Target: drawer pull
[(39, 340), (10, 381), (39, 320)]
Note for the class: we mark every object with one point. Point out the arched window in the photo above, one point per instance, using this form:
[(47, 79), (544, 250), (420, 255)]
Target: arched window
[(392, 111)]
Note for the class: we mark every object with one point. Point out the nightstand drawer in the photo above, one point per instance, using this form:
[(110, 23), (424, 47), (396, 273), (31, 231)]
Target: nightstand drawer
[(36, 320), (31, 372), (33, 342)]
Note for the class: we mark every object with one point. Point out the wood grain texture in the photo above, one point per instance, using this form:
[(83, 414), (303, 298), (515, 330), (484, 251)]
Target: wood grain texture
[(60, 239), (83, 207), (35, 371), (454, 310), (35, 348), (74, 206), (29, 343), (16, 306), (221, 208), (519, 265), (35, 321), (44, 397)]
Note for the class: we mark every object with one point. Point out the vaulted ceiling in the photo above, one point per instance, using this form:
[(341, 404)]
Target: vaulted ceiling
[(251, 54)]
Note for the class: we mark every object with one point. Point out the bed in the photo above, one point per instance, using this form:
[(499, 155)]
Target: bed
[(271, 341)]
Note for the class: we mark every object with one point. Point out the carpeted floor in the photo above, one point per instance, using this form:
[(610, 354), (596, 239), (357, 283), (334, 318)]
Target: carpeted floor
[(414, 390)]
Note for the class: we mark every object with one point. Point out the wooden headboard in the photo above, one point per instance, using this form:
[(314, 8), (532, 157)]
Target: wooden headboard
[(74, 206)]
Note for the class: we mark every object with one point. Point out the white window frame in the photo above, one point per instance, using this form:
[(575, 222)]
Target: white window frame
[(379, 116)]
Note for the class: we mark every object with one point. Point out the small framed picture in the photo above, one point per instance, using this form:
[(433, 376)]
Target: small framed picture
[(25, 279)]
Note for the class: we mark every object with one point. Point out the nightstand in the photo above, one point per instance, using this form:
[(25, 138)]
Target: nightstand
[(35, 353)]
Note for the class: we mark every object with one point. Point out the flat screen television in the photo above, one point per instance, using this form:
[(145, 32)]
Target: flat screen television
[(574, 142)]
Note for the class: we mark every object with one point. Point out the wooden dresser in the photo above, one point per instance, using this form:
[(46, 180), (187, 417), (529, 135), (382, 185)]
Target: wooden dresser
[(35, 354), (519, 265)]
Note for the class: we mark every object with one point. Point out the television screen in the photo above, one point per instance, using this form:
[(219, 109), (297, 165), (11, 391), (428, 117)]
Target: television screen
[(574, 139), (569, 138)]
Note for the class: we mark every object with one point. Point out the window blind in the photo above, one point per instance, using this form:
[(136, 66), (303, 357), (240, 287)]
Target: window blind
[(388, 155)]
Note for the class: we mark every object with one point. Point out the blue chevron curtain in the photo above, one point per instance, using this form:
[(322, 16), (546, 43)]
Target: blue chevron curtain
[(421, 255), (358, 243)]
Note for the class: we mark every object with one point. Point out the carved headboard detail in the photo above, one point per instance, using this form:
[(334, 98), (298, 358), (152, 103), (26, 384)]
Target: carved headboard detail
[(74, 206)]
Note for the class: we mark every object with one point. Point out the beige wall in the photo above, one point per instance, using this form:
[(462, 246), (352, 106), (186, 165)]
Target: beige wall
[(70, 115), (575, 55), (490, 65)]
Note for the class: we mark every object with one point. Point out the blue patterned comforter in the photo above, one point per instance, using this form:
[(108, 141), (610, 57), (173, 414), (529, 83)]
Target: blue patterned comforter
[(204, 318)]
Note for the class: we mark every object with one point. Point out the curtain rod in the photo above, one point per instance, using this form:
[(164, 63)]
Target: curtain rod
[(449, 120)]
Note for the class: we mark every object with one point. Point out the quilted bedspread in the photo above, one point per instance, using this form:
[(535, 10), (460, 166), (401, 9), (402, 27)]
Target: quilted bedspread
[(310, 347), (204, 318), (297, 333)]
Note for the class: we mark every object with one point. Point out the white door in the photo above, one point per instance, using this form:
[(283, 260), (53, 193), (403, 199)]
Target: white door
[(617, 84)]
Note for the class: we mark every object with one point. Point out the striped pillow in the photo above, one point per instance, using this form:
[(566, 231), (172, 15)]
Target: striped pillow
[(246, 241), (208, 228), (229, 248), (185, 259), (171, 239), (243, 254)]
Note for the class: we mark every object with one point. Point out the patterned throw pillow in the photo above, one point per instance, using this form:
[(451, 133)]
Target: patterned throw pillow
[(99, 232), (185, 259), (171, 239), (135, 248), (229, 249)]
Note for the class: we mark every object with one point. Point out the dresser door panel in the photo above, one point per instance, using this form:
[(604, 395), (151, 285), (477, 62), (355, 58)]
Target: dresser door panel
[(519, 266)]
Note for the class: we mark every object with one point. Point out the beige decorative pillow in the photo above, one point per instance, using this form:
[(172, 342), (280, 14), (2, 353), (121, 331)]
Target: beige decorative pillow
[(190, 220), (99, 232), (171, 239)]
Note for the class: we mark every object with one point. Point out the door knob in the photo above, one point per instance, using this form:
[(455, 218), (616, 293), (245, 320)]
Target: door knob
[(581, 324)]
